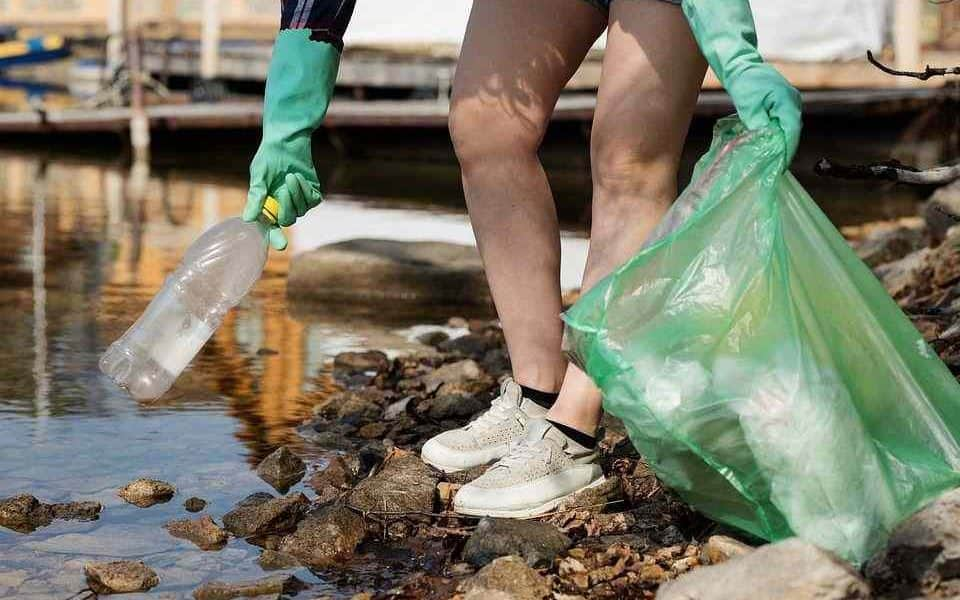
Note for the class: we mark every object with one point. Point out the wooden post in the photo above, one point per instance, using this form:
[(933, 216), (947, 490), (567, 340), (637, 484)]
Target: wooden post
[(116, 32), (139, 124), (907, 15), (210, 40)]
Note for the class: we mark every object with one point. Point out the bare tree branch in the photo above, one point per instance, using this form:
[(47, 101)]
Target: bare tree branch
[(892, 170), (921, 75)]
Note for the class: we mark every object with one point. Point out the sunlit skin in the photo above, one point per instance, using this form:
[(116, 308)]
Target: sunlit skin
[(503, 97)]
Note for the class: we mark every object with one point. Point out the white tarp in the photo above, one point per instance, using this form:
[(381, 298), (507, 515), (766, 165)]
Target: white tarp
[(819, 30), (811, 30)]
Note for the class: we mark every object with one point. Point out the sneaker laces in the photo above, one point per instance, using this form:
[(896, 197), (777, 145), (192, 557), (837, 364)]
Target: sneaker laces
[(522, 452), (501, 409)]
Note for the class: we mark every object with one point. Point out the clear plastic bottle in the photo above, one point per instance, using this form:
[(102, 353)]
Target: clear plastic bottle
[(217, 271)]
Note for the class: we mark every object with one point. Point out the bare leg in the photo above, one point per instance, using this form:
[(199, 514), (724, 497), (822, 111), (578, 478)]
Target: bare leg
[(516, 57), (652, 70)]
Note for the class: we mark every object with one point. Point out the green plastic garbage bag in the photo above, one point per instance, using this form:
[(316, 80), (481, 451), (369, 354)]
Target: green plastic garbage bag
[(762, 369)]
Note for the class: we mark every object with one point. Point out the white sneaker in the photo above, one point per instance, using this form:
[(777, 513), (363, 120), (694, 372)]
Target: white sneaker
[(488, 437), (541, 470)]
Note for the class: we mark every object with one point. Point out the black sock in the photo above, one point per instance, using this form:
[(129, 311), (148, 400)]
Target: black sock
[(544, 399), (587, 441)]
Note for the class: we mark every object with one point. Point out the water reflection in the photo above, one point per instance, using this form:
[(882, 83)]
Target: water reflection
[(84, 249)]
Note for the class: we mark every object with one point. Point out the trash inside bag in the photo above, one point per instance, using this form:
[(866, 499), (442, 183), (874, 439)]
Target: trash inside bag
[(761, 368)]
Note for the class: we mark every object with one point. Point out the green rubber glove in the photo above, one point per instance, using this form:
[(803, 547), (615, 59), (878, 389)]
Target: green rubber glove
[(726, 34), (300, 84)]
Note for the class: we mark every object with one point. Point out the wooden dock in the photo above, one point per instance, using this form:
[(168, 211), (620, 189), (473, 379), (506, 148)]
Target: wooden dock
[(430, 113)]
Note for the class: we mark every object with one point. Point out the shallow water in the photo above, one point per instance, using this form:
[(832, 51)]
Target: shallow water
[(83, 253), (85, 247)]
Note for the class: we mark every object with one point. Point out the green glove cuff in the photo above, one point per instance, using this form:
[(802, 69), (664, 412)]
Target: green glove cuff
[(300, 84), (726, 34)]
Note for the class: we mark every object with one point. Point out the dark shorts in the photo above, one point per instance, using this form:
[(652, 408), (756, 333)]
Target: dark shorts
[(604, 5)]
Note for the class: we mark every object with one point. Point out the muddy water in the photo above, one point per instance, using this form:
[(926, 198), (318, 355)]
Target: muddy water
[(84, 249)]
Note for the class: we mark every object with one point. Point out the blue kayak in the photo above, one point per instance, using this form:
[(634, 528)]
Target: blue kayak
[(33, 50)]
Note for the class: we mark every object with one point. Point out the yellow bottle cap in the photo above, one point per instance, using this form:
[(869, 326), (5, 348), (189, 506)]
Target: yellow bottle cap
[(271, 209)]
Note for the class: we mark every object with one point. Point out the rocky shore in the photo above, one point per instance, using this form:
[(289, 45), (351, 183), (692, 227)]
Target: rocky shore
[(367, 492)]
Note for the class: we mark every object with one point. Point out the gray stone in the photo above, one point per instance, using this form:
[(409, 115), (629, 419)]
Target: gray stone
[(404, 485), (395, 410), (370, 361), (194, 504), (274, 560), (924, 549), (24, 513), (77, 511), (273, 585), (506, 578), (366, 269), (325, 537), (942, 212), (452, 373), (432, 338), (147, 492), (355, 406), (472, 345), (536, 542), (281, 469), (899, 276), (262, 514), (720, 548), (120, 577), (887, 245), (788, 570), (203, 532)]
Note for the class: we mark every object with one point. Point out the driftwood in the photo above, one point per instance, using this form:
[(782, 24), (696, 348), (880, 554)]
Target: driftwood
[(924, 75), (892, 170)]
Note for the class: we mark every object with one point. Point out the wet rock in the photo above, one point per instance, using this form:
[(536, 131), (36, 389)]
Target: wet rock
[(24, 513), (274, 560), (472, 345), (788, 570), (371, 362), (535, 542), (262, 514), (203, 532), (404, 484), (366, 269), (281, 469), (194, 504), (942, 211), (331, 435), (372, 431), (720, 548), (924, 550), (433, 338), (898, 276), (274, 585), (506, 578), (453, 373), (147, 492), (354, 406), (496, 362), (396, 409), (325, 537), (336, 473), (77, 511), (452, 406), (886, 245), (120, 577)]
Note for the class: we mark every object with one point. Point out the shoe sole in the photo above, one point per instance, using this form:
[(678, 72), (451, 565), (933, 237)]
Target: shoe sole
[(528, 513), (448, 469)]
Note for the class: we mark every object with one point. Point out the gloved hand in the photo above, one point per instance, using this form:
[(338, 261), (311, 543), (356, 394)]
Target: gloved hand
[(726, 34), (300, 83)]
